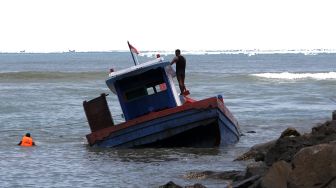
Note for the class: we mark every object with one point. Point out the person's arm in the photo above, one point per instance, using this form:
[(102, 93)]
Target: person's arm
[(19, 143), (174, 60)]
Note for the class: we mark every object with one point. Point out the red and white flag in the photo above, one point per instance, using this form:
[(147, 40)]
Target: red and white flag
[(132, 48)]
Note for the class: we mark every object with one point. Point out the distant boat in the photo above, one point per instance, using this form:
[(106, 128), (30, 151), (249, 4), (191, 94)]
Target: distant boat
[(72, 51), (22, 51), (156, 116)]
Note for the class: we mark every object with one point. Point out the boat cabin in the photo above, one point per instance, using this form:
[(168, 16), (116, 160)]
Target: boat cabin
[(144, 88)]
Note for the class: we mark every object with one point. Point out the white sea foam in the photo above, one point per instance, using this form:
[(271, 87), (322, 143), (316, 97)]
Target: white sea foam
[(249, 52), (295, 76)]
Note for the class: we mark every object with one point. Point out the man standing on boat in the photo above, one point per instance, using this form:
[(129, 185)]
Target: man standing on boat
[(180, 71)]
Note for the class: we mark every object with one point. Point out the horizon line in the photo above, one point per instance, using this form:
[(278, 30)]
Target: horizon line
[(186, 51)]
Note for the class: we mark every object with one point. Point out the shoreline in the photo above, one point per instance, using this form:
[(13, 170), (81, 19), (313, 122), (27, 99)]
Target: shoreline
[(293, 160)]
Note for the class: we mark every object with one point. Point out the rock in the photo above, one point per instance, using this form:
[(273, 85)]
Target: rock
[(330, 184), (286, 147), (173, 185), (227, 175), (198, 175), (197, 185), (328, 128), (170, 185), (294, 161), (314, 166), (259, 157), (256, 150), (290, 132), (277, 175), (251, 132), (256, 168), (247, 182)]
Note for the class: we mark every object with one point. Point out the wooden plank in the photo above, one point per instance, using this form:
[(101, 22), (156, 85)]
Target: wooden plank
[(98, 113)]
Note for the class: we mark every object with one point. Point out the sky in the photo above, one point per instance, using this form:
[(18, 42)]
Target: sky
[(105, 25)]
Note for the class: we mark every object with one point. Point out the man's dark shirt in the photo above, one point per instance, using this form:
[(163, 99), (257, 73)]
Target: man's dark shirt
[(180, 65)]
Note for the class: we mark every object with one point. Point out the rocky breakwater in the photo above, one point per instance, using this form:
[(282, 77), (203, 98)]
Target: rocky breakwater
[(294, 160)]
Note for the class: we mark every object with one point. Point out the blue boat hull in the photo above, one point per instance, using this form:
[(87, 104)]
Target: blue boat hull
[(190, 128)]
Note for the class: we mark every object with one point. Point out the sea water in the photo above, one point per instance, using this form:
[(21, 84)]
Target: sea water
[(42, 93)]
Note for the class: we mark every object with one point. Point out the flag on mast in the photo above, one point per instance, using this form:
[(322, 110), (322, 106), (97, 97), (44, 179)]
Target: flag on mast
[(133, 50)]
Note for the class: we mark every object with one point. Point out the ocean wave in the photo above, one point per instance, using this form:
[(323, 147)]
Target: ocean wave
[(296, 76), (249, 52), (152, 53), (47, 75)]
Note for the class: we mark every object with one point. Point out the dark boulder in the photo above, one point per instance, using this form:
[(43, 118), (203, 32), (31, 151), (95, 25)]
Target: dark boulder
[(256, 168), (314, 166), (227, 175), (290, 132), (257, 151), (246, 182), (286, 147), (293, 160), (277, 175), (173, 185), (197, 185), (170, 185)]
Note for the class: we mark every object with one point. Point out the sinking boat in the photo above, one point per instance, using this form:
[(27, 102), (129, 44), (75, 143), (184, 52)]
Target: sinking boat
[(156, 115)]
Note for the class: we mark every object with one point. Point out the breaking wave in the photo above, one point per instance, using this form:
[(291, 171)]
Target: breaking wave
[(251, 52), (296, 76)]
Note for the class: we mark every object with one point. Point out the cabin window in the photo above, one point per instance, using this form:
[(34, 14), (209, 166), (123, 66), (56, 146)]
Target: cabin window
[(136, 93), (145, 84), (151, 90), (161, 87)]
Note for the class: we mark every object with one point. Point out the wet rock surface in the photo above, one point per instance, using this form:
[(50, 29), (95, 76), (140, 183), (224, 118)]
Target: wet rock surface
[(227, 175), (294, 160), (173, 185), (314, 166)]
